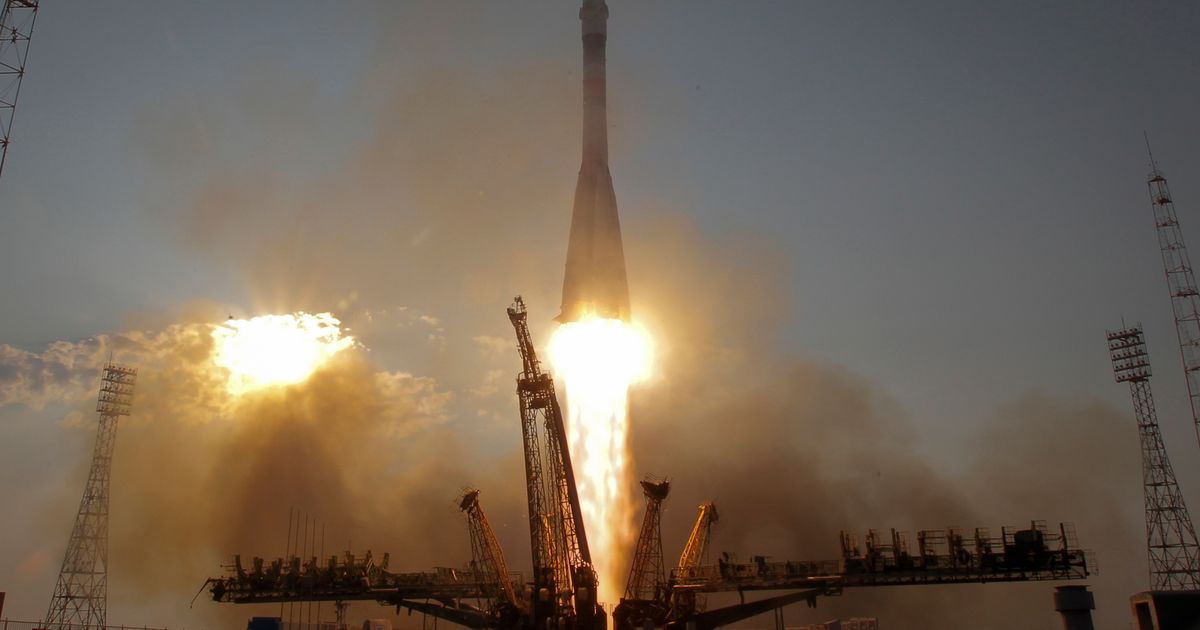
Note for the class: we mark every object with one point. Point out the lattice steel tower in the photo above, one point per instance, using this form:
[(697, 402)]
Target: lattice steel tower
[(16, 29), (81, 595), (1170, 537), (1185, 300), (648, 574), (487, 558)]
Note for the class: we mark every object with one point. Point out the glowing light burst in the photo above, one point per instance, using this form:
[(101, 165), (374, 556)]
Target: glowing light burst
[(597, 360), (274, 350)]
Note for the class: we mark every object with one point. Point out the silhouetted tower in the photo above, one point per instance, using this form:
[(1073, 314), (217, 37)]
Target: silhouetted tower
[(564, 581), (81, 595), (694, 554), (1185, 300), (1170, 537), (487, 559), (648, 575), (16, 29), (697, 543)]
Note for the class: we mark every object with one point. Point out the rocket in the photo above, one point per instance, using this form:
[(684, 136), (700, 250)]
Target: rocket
[(594, 282)]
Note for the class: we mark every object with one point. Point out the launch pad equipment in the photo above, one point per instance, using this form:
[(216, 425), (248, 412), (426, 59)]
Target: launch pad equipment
[(564, 581), (648, 573), (941, 557), (647, 583), (561, 594), (695, 553), (487, 561), (443, 592)]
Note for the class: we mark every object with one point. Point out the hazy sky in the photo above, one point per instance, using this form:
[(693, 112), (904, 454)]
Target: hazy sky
[(955, 190)]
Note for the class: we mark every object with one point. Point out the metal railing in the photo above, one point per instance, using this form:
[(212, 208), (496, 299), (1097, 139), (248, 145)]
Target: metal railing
[(14, 624)]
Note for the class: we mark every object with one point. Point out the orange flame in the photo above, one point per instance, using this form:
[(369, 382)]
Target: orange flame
[(598, 360)]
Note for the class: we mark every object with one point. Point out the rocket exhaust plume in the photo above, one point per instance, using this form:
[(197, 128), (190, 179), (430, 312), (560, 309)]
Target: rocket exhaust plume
[(598, 360), (598, 352)]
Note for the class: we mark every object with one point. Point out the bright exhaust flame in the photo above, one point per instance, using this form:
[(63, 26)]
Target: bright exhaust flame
[(597, 360), (273, 350)]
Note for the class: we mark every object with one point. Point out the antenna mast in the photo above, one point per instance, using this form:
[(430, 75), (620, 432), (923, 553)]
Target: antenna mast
[(16, 29), (1181, 283)]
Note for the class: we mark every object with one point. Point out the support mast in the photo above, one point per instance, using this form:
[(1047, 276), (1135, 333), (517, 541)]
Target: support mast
[(564, 579), (16, 30), (487, 559), (1181, 283), (648, 576), (695, 552), (1170, 537), (80, 597)]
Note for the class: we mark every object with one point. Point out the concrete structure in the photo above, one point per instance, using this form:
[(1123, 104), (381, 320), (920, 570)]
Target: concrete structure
[(1166, 610), (1075, 603), (853, 623)]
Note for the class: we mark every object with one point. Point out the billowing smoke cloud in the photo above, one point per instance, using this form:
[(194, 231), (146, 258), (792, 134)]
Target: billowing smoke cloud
[(457, 200), (200, 474), (793, 450)]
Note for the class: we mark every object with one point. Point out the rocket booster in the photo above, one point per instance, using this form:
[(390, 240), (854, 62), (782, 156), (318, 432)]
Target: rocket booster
[(594, 282)]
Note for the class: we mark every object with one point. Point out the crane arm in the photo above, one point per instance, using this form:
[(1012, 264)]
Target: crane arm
[(487, 557), (697, 544)]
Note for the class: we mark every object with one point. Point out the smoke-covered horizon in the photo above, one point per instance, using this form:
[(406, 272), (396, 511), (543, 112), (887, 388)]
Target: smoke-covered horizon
[(861, 319), (792, 451)]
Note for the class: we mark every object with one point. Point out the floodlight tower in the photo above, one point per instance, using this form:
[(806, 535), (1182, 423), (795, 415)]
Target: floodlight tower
[(80, 597), (16, 29), (1181, 282), (1170, 537)]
